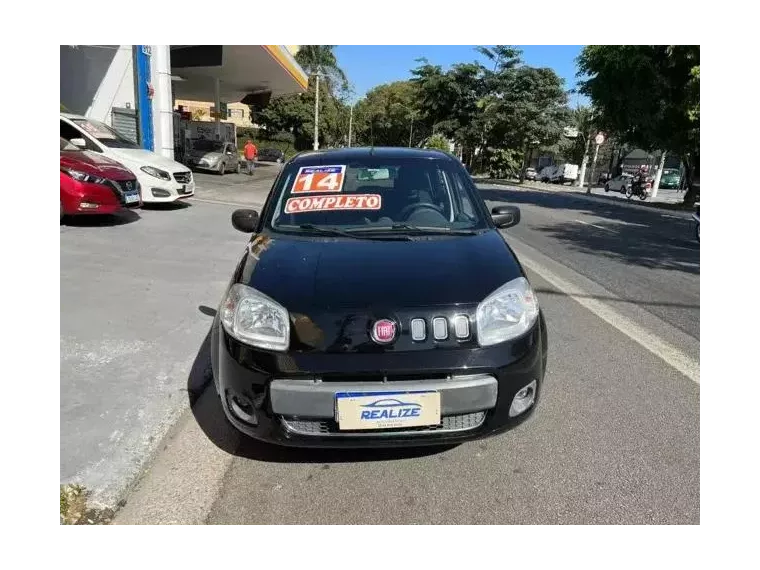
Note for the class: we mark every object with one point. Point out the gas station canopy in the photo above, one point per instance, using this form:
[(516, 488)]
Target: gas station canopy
[(242, 71)]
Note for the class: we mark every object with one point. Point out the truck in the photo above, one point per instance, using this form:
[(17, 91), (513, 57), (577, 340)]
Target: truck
[(559, 173)]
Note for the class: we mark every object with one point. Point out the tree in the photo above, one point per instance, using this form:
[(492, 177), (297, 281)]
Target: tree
[(321, 59), (452, 102), (438, 141), (387, 115), (649, 97)]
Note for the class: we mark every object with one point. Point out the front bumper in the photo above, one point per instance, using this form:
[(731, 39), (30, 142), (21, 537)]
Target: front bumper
[(295, 407), (155, 190)]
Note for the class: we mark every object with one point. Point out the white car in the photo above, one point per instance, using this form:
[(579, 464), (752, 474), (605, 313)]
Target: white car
[(619, 183), (161, 179)]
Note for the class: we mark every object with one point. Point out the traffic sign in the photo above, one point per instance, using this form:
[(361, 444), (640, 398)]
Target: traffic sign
[(599, 139)]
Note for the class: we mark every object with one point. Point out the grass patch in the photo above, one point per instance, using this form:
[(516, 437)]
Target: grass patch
[(74, 509)]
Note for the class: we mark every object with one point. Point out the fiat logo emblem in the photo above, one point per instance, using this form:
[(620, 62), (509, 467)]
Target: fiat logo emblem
[(384, 331)]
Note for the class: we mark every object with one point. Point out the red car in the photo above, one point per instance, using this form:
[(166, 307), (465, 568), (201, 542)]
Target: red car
[(94, 184)]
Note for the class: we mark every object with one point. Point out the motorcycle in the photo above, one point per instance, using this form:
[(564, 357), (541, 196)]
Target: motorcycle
[(697, 217), (641, 187)]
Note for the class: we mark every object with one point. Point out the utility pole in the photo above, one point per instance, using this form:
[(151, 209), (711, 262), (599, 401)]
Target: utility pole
[(350, 124), (658, 176), (598, 140), (316, 116), (411, 126), (584, 163)]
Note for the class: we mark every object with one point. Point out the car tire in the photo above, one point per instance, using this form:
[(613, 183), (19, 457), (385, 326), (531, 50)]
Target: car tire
[(222, 168), (606, 187)]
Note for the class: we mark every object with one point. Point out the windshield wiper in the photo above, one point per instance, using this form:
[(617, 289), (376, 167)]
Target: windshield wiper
[(326, 230), (430, 230)]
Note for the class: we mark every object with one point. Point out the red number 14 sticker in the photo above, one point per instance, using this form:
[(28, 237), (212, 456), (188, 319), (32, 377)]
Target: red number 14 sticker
[(319, 179)]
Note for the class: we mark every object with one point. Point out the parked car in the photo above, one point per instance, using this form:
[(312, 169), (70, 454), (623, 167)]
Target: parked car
[(314, 346), (545, 174), (95, 184), (161, 179), (620, 183), (271, 155), (217, 156), (530, 173), (671, 178)]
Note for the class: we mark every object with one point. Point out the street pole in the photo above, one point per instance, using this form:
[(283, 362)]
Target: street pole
[(584, 162), (593, 166), (658, 176), (411, 126), (316, 117), (350, 124)]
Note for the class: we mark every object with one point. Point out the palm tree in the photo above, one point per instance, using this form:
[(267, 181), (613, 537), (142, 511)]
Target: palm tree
[(321, 59)]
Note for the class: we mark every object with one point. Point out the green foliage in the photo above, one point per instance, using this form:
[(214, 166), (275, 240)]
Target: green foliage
[(648, 96), (321, 59), (385, 116), (438, 141)]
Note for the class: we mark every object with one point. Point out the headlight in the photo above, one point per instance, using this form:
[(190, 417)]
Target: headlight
[(255, 319), (84, 177), (162, 174), (507, 313)]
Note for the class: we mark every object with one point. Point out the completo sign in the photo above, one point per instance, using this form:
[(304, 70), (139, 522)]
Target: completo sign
[(343, 202)]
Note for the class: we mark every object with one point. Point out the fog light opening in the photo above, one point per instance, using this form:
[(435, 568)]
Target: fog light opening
[(523, 400), (159, 193), (242, 408)]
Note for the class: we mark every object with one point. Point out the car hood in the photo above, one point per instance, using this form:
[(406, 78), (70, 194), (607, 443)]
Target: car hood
[(138, 157), (96, 164), (305, 275)]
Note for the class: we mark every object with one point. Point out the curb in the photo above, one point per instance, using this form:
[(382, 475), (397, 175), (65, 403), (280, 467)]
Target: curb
[(597, 198)]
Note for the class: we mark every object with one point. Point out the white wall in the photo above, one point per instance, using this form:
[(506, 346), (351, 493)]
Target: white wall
[(163, 118), (95, 78)]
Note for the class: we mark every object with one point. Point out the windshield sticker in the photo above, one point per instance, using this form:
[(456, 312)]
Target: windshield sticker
[(95, 130), (322, 203), (319, 179)]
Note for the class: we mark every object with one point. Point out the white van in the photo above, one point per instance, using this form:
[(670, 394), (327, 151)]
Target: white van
[(161, 179), (564, 173)]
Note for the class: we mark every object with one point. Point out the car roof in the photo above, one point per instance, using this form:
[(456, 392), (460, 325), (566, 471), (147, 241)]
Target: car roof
[(357, 153)]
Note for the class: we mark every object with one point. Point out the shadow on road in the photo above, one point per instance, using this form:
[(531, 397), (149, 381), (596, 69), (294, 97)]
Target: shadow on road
[(208, 412), (101, 220), (167, 206), (631, 236)]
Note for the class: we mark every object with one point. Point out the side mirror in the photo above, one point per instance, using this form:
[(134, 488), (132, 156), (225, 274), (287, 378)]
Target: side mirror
[(79, 142), (505, 216), (245, 220)]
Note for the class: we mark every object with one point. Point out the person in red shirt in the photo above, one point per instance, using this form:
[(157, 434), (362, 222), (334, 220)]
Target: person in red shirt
[(250, 151)]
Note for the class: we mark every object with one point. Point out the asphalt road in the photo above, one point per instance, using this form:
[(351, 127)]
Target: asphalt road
[(615, 439)]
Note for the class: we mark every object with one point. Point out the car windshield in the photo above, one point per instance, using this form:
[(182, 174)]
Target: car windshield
[(403, 195), (105, 134), (208, 146), (66, 145)]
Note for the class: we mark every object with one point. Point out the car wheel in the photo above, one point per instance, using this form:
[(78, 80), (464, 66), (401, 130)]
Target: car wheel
[(606, 187), (222, 168)]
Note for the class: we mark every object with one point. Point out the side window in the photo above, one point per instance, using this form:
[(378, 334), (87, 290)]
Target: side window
[(461, 196), (68, 132)]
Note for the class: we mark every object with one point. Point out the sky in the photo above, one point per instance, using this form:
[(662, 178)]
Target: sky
[(368, 66)]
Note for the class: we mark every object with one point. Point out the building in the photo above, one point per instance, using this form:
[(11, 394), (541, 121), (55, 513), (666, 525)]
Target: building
[(237, 113), (136, 89)]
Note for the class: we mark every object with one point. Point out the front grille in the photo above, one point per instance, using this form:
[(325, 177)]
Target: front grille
[(453, 423), (183, 177), (126, 185), (383, 378)]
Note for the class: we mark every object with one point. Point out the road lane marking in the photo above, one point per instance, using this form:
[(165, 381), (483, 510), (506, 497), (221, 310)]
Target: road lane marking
[(672, 356), (595, 226)]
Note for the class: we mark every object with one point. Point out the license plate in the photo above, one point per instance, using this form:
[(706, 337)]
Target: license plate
[(387, 410), (131, 198)]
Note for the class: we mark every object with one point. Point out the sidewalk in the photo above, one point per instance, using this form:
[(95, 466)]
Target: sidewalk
[(666, 199)]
